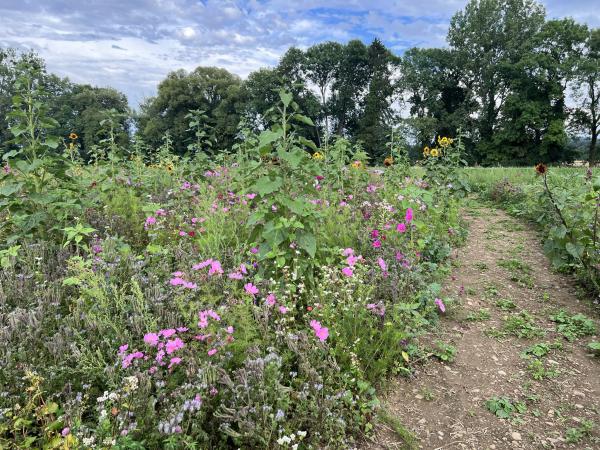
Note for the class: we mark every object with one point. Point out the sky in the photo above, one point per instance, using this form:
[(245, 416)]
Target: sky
[(132, 45)]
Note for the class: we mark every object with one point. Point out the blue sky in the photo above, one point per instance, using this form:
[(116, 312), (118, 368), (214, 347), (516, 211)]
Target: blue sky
[(132, 44)]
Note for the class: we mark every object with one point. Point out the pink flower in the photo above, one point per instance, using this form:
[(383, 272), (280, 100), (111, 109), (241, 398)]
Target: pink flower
[(123, 348), (65, 432), (347, 271), (190, 285), (375, 234), (151, 339), (177, 281), (149, 221), (174, 345), (371, 188), (202, 264), (212, 351), (167, 333), (409, 215), (377, 243), (382, 264), (352, 260), (178, 274), (440, 304), (215, 268), (250, 196), (283, 310), (270, 300), (348, 252), (160, 212), (321, 332), (182, 329), (254, 250), (401, 227), (174, 361), (229, 330), (236, 276), (182, 233), (251, 289), (243, 269)]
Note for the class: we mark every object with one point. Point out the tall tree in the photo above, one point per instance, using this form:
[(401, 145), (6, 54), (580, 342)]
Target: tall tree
[(320, 66), (586, 86), (349, 87), (432, 82), (374, 122), (202, 89), (488, 36)]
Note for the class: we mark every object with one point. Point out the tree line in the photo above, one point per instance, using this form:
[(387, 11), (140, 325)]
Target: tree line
[(519, 87)]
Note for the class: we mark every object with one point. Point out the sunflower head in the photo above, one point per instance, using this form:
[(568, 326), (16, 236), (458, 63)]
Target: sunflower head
[(541, 169), (318, 156), (388, 161), (169, 167), (444, 141), (435, 152), (426, 151), (73, 136), (357, 164)]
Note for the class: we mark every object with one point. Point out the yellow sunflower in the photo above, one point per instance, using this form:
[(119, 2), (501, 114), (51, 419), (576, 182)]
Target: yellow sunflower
[(73, 136), (318, 156), (426, 151), (435, 152), (357, 164), (169, 167), (445, 141), (388, 161)]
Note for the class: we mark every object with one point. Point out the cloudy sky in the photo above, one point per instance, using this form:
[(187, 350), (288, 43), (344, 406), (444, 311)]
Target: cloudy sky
[(132, 44)]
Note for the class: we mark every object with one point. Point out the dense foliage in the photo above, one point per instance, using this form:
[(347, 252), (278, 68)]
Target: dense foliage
[(248, 301)]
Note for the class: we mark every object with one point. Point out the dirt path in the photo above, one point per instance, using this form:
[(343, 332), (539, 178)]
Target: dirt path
[(504, 287)]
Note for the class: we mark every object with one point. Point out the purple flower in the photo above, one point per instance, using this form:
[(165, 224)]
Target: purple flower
[(409, 215), (151, 339), (347, 271), (251, 289)]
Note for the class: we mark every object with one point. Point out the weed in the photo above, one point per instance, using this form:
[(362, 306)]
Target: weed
[(481, 266), (520, 272), (538, 370), (540, 350), (504, 408), (505, 304), (573, 326), (575, 435), (445, 352), (481, 315)]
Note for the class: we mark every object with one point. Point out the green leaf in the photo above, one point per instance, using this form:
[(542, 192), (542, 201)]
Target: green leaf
[(576, 251), (9, 189), (307, 242), (264, 185), (304, 119), (308, 143), (286, 97)]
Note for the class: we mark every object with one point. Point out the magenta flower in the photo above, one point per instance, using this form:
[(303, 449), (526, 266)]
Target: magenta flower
[(65, 432), (251, 289), (251, 196), (283, 309), (215, 268), (377, 243), (174, 345), (382, 264), (401, 227), (151, 339), (182, 233), (123, 348), (440, 304), (321, 332), (174, 362), (270, 300), (167, 333), (352, 260), (348, 252), (190, 285), (149, 221), (347, 271), (212, 351), (177, 281), (236, 276), (375, 234), (254, 250), (229, 330), (182, 329), (409, 215)]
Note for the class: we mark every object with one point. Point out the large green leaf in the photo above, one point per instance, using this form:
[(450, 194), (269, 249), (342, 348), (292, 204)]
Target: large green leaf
[(265, 185), (307, 241)]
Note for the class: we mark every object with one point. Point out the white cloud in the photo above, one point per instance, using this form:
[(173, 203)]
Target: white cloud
[(133, 44)]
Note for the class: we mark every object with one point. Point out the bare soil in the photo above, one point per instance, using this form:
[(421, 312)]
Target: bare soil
[(444, 404)]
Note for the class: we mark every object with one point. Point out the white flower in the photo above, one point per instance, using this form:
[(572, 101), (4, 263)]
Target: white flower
[(88, 441), (302, 434)]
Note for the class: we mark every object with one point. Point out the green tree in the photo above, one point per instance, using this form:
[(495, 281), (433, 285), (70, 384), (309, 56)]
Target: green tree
[(488, 37), (374, 122), (210, 89), (431, 81), (586, 88)]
